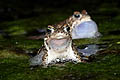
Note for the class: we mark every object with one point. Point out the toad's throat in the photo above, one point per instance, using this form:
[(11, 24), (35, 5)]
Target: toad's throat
[(59, 44)]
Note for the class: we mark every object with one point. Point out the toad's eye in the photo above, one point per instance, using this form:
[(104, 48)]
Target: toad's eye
[(76, 15), (67, 29), (50, 29)]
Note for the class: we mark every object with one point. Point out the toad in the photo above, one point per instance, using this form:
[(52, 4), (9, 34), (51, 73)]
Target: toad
[(82, 25), (58, 46)]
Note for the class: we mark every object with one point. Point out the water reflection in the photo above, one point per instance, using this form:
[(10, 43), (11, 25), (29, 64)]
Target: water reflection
[(91, 49)]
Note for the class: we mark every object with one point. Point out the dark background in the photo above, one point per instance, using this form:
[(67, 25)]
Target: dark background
[(17, 9)]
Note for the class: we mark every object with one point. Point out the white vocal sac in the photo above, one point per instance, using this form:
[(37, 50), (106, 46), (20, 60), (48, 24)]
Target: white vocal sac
[(86, 29)]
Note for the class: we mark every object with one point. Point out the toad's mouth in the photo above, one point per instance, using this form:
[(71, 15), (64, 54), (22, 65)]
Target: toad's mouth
[(59, 44)]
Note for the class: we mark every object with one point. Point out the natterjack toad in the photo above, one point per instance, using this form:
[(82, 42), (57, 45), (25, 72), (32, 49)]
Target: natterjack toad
[(82, 25), (57, 46)]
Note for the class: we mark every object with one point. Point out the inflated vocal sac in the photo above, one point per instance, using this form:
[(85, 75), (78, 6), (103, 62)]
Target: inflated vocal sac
[(87, 29)]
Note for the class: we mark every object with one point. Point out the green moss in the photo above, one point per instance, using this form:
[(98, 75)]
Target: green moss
[(106, 66)]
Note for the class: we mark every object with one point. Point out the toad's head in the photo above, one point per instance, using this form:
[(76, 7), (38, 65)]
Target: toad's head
[(58, 37)]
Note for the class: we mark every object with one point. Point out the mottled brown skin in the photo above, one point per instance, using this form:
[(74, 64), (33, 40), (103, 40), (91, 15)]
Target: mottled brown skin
[(58, 28), (77, 16)]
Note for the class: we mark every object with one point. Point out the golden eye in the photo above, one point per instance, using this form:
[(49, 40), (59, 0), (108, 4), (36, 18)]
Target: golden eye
[(76, 15), (50, 29)]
